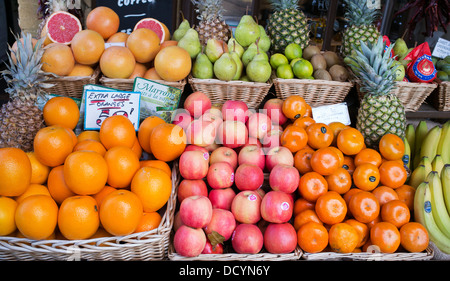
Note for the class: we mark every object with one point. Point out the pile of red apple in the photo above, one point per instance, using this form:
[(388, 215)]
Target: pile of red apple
[(238, 182)]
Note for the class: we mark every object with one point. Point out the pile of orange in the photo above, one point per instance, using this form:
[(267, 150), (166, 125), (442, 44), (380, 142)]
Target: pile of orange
[(350, 198), (93, 184)]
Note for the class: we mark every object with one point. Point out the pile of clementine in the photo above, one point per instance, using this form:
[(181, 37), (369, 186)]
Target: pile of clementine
[(95, 184), (350, 198)]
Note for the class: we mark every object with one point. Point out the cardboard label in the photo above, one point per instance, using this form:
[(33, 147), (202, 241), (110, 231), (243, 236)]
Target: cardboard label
[(332, 113), (442, 48), (374, 4)]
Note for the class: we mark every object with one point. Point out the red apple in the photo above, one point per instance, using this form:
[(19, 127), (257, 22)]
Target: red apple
[(197, 103), (235, 110), (183, 119), (252, 154), (194, 165), (279, 155), (220, 175), (214, 250), (258, 125), (280, 238), (222, 198), (222, 222), (188, 241), (273, 109), (246, 207), (224, 154), (249, 177), (284, 178), (247, 239), (212, 147), (271, 139), (232, 134), (276, 207), (191, 147), (188, 188), (196, 211), (214, 110), (201, 132), (212, 117)]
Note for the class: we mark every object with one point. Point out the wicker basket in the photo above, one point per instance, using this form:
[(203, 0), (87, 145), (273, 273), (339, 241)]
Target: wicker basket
[(251, 93), (72, 86), (411, 94), (441, 98), (315, 92), (127, 84), (366, 256), (149, 245)]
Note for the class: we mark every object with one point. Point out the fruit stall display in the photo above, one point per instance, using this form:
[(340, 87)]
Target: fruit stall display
[(235, 175)]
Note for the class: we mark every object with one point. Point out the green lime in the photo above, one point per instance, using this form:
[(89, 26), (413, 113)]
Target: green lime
[(284, 71), (442, 75), (277, 60), (293, 51), (294, 61), (303, 69)]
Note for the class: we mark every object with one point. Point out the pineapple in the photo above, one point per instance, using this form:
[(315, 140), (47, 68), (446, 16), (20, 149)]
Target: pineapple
[(287, 24), (20, 118), (211, 24), (380, 112), (360, 25)]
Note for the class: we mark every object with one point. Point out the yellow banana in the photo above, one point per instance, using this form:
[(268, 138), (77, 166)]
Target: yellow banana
[(417, 176), (407, 155), (445, 180), (420, 134), (427, 163), (410, 134), (437, 164), (440, 213), (443, 147), (430, 143), (419, 201)]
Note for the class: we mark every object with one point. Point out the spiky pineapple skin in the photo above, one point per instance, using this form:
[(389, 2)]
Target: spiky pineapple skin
[(211, 24), (353, 35)]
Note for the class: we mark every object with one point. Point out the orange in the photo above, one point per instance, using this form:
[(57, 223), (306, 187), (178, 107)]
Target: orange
[(33, 189), (319, 135), (343, 238), (302, 204), (166, 32), (339, 154), (170, 139), (7, 210), (39, 171), (118, 37), (85, 172), (348, 195), (304, 217), (414, 237), (364, 206), (139, 70), (145, 131), (325, 161), (368, 155), (391, 147), (144, 44), (331, 208), (392, 174), (312, 185), (78, 217), (90, 135), (52, 145), (57, 186), (349, 164), (121, 212), (384, 194), (386, 236), (62, 111), (99, 196), (336, 128), (91, 145), (294, 138), (15, 171), (406, 194), (304, 122), (149, 221), (312, 237), (294, 107), (58, 59), (395, 212), (153, 186), (157, 164), (36, 216), (103, 20), (87, 46), (375, 221), (167, 43), (308, 112), (350, 141), (339, 181), (362, 229), (366, 176), (117, 130), (173, 63), (136, 148), (151, 74), (72, 134), (122, 165), (117, 62), (81, 70), (302, 160)]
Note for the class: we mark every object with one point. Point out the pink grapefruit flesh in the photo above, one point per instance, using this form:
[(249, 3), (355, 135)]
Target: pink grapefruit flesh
[(154, 25), (62, 26)]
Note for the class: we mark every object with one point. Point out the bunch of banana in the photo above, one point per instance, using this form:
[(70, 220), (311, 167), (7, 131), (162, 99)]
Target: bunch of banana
[(432, 207)]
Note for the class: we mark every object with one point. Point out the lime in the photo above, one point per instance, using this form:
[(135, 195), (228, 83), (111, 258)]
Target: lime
[(294, 61), (293, 51), (303, 69), (277, 60), (284, 71)]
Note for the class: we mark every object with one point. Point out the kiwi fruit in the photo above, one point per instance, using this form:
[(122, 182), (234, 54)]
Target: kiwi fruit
[(318, 62), (322, 74), (339, 73), (331, 58), (310, 51)]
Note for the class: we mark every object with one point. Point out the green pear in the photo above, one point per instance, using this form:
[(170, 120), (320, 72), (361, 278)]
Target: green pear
[(239, 65), (399, 71), (203, 67), (225, 67), (233, 45), (264, 43), (181, 30), (191, 43), (400, 47), (247, 31), (248, 55), (259, 69), (214, 49), (262, 31)]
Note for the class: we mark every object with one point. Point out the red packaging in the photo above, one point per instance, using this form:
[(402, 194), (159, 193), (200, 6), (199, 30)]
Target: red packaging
[(388, 43), (421, 68)]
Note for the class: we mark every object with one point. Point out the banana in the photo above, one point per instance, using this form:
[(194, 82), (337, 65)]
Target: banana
[(417, 176), (440, 213), (437, 164), (430, 143), (420, 134), (443, 147), (407, 155), (410, 134), (423, 208), (427, 163), (445, 180)]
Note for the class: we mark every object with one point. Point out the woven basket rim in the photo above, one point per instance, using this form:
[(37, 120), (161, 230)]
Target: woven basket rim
[(128, 81), (312, 81), (94, 75), (192, 80)]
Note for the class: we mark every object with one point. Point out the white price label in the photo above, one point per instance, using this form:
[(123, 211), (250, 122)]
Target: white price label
[(332, 113), (442, 48)]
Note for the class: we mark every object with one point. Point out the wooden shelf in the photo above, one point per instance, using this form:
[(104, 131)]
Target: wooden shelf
[(427, 111)]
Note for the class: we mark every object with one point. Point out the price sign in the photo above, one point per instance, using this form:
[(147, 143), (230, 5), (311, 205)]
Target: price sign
[(332, 113)]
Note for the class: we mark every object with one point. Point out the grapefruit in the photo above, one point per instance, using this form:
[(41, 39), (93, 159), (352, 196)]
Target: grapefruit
[(154, 25), (173, 63), (62, 26), (117, 62), (87, 46), (103, 20)]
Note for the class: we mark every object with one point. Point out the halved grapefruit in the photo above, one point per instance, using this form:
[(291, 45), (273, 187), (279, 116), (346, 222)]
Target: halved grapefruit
[(62, 26), (154, 25)]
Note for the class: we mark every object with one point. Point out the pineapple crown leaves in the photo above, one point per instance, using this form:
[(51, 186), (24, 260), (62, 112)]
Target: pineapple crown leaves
[(208, 9), (279, 5), (358, 13)]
